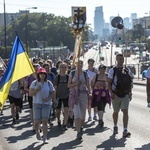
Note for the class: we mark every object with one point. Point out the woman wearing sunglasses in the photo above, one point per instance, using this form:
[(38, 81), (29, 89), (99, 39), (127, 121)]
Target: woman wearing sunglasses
[(42, 91)]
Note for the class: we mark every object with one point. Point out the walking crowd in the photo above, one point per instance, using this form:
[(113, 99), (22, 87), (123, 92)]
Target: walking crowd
[(71, 91)]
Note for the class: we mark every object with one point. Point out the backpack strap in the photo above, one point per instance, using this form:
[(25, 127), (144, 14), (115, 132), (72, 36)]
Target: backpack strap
[(58, 79), (35, 83), (72, 73), (85, 75), (114, 73), (84, 72)]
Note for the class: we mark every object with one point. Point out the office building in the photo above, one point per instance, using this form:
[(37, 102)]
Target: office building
[(98, 21)]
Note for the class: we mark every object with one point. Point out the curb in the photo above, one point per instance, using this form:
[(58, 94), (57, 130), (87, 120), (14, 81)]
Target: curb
[(136, 83)]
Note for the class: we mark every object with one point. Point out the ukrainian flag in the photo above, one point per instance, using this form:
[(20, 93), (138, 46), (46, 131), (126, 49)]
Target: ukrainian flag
[(19, 66)]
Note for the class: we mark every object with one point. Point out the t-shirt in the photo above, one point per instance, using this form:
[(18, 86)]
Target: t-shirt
[(62, 91), (15, 90), (91, 74), (46, 88)]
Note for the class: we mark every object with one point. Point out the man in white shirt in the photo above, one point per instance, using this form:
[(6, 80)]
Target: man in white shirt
[(91, 73)]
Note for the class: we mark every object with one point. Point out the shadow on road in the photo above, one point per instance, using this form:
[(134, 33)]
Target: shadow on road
[(144, 147), (112, 142)]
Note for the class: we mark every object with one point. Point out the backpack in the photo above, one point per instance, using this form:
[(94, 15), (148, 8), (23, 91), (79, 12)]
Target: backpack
[(84, 72), (124, 81), (58, 80)]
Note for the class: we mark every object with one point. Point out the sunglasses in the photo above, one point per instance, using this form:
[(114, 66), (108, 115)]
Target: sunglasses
[(42, 73), (46, 68)]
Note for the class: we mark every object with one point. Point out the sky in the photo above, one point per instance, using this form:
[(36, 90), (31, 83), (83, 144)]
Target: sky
[(63, 7)]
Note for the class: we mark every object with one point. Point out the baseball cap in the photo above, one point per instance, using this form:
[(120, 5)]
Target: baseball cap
[(102, 66), (41, 70)]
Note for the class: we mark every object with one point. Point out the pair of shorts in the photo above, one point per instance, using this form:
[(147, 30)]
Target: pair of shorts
[(41, 111), (13, 100), (80, 108), (64, 101), (120, 103), (101, 104)]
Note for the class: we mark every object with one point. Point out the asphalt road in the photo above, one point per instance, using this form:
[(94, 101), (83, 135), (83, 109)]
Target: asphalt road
[(21, 137)]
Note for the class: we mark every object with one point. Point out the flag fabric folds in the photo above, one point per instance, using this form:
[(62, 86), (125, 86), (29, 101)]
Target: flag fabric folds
[(19, 66)]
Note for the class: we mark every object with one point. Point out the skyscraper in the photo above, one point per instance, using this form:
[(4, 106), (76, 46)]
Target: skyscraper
[(98, 21)]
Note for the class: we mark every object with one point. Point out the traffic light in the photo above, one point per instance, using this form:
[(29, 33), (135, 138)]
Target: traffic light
[(119, 40)]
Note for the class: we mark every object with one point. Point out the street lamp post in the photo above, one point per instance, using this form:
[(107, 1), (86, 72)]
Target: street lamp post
[(27, 26), (5, 45)]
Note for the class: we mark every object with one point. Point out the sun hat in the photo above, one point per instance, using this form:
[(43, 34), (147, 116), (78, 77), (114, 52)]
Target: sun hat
[(41, 70)]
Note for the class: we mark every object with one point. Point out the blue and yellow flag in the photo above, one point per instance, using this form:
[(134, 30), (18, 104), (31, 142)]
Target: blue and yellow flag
[(19, 66)]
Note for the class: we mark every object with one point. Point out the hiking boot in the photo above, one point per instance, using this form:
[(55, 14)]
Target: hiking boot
[(95, 118), (64, 128), (115, 130), (38, 136), (101, 123), (126, 134), (90, 119), (17, 116), (79, 136)]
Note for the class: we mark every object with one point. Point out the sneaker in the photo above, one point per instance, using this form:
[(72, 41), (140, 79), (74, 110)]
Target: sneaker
[(81, 130), (64, 128), (90, 119), (101, 123), (95, 118), (126, 133), (79, 136), (59, 123), (14, 121), (44, 140), (115, 130), (17, 116), (38, 136)]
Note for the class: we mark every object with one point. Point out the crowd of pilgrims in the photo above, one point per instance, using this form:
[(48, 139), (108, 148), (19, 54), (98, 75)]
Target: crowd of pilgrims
[(64, 93)]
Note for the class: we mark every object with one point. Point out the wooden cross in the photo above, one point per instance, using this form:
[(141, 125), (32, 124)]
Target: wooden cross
[(78, 15)]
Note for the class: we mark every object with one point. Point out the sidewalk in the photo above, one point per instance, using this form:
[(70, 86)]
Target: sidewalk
[(139, 81)]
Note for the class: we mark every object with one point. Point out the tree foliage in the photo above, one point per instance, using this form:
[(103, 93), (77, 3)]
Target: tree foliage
[(42, 27)]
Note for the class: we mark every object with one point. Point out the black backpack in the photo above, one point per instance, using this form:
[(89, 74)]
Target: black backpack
[(124, 81), (58, 79)]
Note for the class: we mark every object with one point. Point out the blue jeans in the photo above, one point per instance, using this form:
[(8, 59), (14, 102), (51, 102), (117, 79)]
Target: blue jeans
[(41, 111)]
